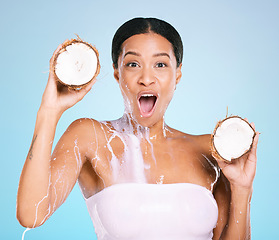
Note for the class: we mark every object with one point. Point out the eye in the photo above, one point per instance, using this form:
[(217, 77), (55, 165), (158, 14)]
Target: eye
[(160, 65), (132, 64)]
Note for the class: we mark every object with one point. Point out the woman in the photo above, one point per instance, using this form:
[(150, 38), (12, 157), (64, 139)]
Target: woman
[(141, 179)]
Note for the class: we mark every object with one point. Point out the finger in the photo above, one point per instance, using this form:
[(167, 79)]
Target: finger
[(60, 46), (253, 125), (51, 61), (55, 52), (221, 163), (82, 92), (256, 140), (253, 153), (90, 85), (251, 162)]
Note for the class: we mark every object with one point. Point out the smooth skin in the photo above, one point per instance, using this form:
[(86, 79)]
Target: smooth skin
[(146, 64)]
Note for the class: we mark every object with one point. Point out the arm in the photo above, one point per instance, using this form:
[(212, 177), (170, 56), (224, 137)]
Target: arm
[(233, 196), (233, 211), (42, 183)]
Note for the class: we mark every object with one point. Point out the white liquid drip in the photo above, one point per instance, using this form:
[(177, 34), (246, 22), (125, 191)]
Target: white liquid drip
[(78, 157), (97, 146), (54, 188), (151, 145), (23, 234), (128, 168), (131, 167), (38, 204), (114, 161), (127, 104), (217, 172), (161, 180)]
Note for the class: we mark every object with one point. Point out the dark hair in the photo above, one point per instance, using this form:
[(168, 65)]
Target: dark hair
[(146, 25)]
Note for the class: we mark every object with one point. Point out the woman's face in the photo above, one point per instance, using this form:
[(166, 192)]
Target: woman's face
[(147, 74)]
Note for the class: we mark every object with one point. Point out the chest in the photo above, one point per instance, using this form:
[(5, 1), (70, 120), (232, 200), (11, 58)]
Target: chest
[(125, 159)]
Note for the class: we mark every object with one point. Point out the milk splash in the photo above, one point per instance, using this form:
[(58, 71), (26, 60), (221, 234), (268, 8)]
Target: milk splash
[(130, 167), (27, 229)]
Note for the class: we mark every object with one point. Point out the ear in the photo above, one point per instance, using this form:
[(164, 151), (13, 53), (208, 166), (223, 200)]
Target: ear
[(178, 73), (116, 74)]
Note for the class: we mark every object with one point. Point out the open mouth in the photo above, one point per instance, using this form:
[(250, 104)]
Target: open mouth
[(147, 103)]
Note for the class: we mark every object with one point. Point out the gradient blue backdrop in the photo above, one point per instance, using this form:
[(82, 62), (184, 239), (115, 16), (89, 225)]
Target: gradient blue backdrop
[(231, 59)]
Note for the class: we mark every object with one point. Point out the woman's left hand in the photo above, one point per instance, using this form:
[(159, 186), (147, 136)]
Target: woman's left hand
[(241, 172)]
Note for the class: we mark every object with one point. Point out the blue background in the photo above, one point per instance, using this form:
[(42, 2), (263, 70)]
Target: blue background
[(231, 59)]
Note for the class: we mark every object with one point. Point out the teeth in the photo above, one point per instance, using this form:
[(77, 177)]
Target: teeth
[(147, 95)]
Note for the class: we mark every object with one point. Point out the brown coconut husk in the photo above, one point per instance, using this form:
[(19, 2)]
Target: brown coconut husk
[(214, 151), (66, 44)]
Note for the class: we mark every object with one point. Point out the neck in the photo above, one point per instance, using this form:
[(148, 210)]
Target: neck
[(156, 131)]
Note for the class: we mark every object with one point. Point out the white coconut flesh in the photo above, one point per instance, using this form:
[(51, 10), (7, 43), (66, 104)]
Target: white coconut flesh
[(233, 138), (77, 65)]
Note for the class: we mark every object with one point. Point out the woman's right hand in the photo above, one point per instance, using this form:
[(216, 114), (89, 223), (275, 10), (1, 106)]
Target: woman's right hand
[(57, 97)]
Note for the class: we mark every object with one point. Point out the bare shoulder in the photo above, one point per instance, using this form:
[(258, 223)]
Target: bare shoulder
[(84, 127), (204, 141), (81, 132), (82, 124), (200, 141)]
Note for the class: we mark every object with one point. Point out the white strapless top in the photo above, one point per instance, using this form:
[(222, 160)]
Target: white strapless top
[(136, 211)]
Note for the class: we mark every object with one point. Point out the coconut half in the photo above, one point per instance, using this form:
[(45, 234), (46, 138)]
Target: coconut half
[(232, 138), (76, 64)]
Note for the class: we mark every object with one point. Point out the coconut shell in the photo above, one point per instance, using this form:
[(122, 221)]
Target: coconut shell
[(214, 151), (66, 44)]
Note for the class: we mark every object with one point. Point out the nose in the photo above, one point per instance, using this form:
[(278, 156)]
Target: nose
[(147, 77)]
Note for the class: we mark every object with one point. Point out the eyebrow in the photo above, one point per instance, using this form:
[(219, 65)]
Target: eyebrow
[(161, 54), (154, 55), (132, 53)]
